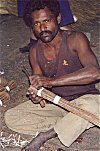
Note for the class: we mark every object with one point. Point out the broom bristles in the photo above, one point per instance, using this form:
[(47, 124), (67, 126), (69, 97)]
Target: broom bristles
[(4, 96), (12, 84)]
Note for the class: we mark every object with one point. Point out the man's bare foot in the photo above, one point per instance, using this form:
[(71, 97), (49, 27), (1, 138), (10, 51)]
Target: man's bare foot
[(38, 141)]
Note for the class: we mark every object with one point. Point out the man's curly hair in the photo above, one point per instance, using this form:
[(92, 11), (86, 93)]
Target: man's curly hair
[(32, 5)]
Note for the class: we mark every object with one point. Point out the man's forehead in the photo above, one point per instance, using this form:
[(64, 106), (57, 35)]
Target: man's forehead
[(42, 13)]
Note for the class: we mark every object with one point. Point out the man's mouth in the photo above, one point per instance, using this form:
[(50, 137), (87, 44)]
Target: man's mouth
[(45, 34)]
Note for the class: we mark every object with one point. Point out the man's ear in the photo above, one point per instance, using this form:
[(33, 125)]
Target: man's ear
[(59, 18)]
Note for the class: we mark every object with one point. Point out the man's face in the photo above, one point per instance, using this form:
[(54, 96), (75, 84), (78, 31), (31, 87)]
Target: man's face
[(45, 26)]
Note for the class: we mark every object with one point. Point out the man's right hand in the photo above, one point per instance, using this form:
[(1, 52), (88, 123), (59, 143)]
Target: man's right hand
[(35, 99)]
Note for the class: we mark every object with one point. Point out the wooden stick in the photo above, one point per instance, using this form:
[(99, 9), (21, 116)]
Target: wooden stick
[(48, 95)]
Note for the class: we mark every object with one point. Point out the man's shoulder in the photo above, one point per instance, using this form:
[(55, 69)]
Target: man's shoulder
[(75, 35), (35, 45)]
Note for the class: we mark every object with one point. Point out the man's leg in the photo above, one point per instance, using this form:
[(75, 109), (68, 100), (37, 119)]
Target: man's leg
[(71, 126), (29, 118)]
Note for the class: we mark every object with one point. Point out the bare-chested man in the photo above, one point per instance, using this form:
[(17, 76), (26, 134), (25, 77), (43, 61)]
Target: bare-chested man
[(64, 62)]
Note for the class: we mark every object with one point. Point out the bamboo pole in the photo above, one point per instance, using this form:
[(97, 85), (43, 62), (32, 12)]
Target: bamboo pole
[(48, 95)]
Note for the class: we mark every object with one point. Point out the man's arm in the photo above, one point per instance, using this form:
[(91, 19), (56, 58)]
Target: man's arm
[(37, 79), (36, 72), (33, 62), (90, 72)]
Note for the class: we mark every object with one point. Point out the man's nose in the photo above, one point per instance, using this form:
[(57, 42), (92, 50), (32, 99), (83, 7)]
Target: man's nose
[(43, 27)]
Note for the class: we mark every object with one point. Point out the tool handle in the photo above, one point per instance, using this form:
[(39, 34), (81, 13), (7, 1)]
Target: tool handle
[(42, 103)]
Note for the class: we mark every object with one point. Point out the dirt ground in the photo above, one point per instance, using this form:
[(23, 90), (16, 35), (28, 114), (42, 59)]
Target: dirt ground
[(13, 35)]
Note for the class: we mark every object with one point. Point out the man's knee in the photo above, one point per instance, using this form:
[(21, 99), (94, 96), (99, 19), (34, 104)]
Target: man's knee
[(89, 102)]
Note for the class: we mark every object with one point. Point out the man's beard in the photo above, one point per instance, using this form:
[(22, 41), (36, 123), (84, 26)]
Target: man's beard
[(47, 36)]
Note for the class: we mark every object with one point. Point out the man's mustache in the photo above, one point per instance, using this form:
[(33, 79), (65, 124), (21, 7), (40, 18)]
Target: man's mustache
[(45, 32)]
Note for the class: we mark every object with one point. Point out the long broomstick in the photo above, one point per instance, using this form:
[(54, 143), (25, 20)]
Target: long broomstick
[(48, 95)]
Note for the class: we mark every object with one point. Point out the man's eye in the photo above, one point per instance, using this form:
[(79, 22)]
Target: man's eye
[(48, 20), (36, 24)]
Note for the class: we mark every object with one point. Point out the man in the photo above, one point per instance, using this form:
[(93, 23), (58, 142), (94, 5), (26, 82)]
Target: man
[(63, 62)]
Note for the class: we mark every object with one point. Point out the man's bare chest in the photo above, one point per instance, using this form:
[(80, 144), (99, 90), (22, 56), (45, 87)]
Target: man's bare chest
[(51, 54)]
